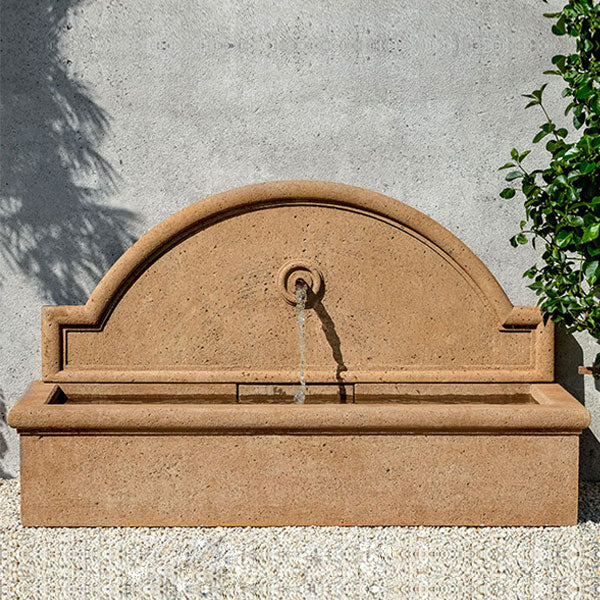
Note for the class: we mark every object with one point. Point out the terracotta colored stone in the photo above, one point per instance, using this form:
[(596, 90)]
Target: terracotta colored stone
[(299, 480), (167, 398)]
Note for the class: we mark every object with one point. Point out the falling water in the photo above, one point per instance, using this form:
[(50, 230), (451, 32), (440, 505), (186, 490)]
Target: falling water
[(300, 395)]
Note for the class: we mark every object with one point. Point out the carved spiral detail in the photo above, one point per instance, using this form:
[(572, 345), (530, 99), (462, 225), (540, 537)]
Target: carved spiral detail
[(294, 270)]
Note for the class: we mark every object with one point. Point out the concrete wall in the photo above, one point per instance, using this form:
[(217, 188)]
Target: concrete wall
[(117, 114)]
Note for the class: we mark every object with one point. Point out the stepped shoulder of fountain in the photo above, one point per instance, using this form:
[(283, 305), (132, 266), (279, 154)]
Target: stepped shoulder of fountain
[(169, 398)]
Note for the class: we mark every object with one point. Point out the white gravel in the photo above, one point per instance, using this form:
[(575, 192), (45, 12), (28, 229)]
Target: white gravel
[(300, 562)]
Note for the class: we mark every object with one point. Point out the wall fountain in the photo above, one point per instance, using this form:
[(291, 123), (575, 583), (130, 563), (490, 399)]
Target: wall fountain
[(172, 397)]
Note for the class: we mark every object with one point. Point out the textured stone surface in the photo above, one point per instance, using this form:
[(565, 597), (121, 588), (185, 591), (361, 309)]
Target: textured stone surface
[(322, 464), (392, 299), (542, 408), (185, 100), (315, 479), (200, 298)]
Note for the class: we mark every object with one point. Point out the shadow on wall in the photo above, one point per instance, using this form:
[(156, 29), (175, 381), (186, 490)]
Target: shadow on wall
[(569, 356), (3, 426), (53, 227)]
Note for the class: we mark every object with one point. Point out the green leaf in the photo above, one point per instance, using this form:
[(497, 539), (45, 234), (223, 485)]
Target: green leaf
[(521, 238), (539, 136), (559, 27), (574, 220), (561, 179), (523, 155), (587, 167), (535, 286), (585, 91), (591, 270), (528, 186), (514, 154), (507, 166), (572, 151), (514, 175), (548, 127), (507, 193), (537, 94), (591, 233), (563, 238)]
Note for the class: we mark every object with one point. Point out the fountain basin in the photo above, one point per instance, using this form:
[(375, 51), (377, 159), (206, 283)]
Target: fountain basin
[(148, 454), (168, 399)]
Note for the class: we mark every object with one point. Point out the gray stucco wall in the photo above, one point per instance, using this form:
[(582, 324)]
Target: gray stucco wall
[(117, 114)]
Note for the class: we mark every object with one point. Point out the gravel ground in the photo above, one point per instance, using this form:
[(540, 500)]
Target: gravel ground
[(300, 562)]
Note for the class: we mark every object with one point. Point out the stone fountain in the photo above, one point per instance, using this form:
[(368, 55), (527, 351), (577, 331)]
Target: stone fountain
[(170, 398)]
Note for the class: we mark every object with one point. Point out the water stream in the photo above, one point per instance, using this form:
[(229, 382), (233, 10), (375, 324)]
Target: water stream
[(301, 294)]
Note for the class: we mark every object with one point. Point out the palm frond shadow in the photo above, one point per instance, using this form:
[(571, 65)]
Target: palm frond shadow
[(55, 225)]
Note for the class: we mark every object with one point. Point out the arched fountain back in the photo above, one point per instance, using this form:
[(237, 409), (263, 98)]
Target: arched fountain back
[(200, 298)]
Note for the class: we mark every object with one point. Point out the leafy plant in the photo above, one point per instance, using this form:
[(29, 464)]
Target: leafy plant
[(562, 201)]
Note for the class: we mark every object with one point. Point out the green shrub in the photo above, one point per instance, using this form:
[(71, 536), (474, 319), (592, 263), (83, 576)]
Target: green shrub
[(562, 201)]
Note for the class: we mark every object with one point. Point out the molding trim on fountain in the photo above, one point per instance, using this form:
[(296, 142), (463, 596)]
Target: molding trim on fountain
[(205, 269)]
